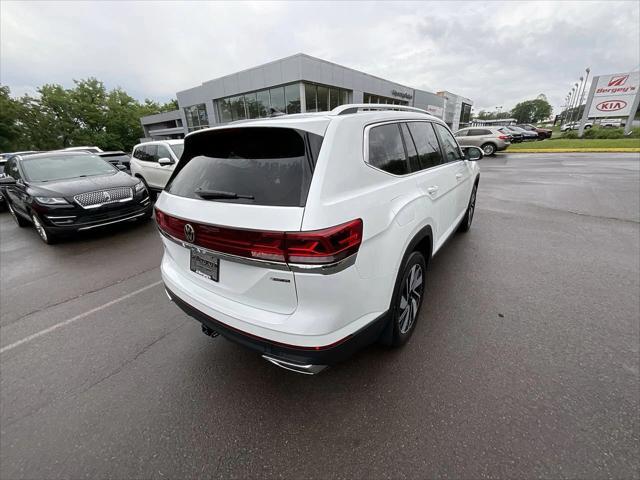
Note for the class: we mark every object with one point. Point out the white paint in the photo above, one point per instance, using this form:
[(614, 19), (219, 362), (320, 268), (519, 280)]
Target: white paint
[(69, 321)]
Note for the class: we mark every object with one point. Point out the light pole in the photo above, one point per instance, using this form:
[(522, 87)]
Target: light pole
[(578, 97), (573, 101), (569, 104), (584, 89)]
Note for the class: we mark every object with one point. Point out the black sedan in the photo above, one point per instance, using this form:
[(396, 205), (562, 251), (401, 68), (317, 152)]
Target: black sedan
[(67, 192)]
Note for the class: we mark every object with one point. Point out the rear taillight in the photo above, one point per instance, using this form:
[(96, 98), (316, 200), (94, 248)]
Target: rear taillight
[(503, 137), (316, 247)]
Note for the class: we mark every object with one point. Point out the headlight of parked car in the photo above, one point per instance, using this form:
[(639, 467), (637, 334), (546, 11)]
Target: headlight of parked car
[(139, 186), (51, 200)]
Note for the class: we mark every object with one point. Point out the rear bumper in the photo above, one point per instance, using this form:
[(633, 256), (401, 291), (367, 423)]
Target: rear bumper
[(297, 355)]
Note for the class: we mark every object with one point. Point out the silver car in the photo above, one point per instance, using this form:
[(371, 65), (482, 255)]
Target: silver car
[(489, 139)]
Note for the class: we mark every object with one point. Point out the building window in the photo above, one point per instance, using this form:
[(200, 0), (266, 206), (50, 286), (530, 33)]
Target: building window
[(320, 98), (370, 98), (292, 98), (258, 104), (196, 117)]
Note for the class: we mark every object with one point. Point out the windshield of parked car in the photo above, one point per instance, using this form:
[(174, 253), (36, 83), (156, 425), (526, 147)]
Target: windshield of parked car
[(61, 167), (178, 148)]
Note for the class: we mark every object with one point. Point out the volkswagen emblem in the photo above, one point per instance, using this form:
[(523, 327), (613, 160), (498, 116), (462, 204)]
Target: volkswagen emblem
[(189, 233), (106, 196)]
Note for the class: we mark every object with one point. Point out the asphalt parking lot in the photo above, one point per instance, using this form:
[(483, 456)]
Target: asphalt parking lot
[(525, 361)]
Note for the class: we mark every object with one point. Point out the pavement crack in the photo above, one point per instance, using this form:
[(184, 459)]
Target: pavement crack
[(71, 299), (111, 374)]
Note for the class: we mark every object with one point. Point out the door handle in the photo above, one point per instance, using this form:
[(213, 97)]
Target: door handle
[(458, 176), (432, 190)]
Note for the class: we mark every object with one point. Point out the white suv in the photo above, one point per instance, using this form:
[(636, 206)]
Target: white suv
[(153, 162), (306, 237)]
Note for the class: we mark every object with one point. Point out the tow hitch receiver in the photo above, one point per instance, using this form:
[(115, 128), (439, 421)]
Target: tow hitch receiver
[(207, 331)]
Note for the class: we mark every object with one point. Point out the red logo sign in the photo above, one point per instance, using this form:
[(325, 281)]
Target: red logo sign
[(618, 80), (611, 105)]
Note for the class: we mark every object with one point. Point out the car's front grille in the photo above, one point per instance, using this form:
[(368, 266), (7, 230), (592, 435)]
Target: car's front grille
[(103, 197)]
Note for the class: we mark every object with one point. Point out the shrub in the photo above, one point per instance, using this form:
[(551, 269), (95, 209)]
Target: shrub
[(591, 133), (571, 134)]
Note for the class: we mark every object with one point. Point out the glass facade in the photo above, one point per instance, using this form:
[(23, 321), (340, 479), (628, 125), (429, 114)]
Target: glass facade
[(370, 98), (196, 117), (258, 104), (321, 98)]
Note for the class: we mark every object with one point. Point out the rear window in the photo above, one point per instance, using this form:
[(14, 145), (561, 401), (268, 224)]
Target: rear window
[(261, 165)]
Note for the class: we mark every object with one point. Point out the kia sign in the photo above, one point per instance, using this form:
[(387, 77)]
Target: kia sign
[(611, 106), (614, 94)]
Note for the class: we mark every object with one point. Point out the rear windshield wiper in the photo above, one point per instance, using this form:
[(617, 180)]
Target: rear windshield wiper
[(213, 194)]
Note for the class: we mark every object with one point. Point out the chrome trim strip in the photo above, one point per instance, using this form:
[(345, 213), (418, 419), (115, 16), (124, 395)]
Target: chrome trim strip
[(307, 369), (112, 222), (50, 217), (324, 269)]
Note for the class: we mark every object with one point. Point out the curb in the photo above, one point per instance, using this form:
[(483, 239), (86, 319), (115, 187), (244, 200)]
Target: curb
[(570, 150)]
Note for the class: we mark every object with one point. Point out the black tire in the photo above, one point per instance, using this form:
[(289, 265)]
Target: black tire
[(407, 298), (43, 232), (152, 194), (489, 149), (465, 225), (586, 127), (19, 220)]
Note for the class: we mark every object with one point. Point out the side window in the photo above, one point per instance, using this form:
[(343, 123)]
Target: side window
[(11, 169), (449, 144), (412, 153), (462, 133), (386, 150), (139, 153), (147, 153), (427, 144), (474, 132), (163, 152)]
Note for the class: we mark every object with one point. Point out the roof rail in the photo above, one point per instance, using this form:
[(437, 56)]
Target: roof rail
[(358, 107)]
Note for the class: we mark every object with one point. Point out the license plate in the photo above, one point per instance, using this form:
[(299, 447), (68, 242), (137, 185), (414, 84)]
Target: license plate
[(205, 264)]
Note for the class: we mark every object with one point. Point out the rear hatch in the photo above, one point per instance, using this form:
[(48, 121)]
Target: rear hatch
[(233, 193)]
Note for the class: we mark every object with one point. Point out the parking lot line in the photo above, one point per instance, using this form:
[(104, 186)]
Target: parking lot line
[(77, 317)]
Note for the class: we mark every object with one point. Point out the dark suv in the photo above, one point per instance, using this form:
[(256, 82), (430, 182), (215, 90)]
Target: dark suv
[(66, 192)]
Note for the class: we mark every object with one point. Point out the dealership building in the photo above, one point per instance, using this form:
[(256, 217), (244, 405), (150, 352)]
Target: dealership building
[(295, 84)]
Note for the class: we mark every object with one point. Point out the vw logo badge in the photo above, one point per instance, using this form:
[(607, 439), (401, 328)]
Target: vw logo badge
[(189, 233), (106, 196)]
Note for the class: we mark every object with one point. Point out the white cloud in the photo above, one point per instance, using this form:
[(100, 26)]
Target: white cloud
[(495, 53)]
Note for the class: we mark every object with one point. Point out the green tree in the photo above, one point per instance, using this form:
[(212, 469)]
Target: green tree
[(86, 114), (9, 121), (532, 111)]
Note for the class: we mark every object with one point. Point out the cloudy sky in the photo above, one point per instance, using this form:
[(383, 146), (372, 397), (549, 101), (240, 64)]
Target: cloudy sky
[(495, 53)]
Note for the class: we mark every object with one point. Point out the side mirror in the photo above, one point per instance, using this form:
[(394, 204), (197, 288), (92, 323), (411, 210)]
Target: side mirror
[(121, 167), (473, 154), (7, 181), (165, 161)]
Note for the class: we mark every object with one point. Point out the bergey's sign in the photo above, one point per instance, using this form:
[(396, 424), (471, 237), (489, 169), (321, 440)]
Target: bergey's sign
[(614, 94)]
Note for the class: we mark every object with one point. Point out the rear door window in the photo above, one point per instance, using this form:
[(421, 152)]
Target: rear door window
[(386, 149), (426, 142), (258, 165)]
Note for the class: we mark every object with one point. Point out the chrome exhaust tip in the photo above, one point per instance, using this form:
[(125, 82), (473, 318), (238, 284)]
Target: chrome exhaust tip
[(295, 367)]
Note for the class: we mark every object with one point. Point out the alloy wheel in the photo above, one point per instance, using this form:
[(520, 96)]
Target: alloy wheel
[(488, 149), (39, 228), (410, 298)]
